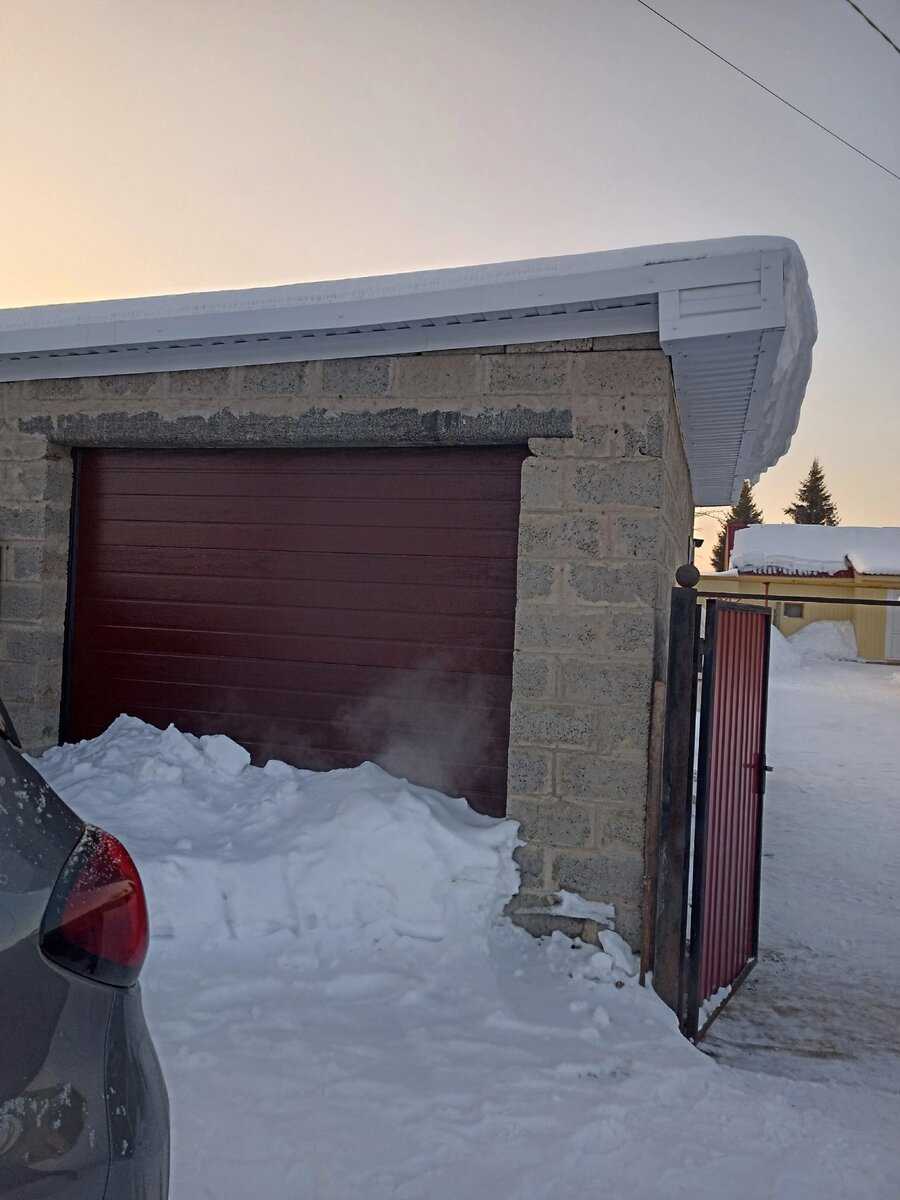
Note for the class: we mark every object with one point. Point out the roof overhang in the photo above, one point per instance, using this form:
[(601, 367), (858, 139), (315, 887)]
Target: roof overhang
[(735, 315)]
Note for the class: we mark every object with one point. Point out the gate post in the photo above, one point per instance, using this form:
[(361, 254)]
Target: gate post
[(676, 794)]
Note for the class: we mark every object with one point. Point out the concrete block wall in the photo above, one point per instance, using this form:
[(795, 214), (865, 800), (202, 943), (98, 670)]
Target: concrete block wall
[(606, 518)]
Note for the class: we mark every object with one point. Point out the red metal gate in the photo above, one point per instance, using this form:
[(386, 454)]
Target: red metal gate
[(731, 770), (710, 848)]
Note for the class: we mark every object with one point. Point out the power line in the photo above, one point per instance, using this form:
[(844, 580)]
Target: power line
[(837, 137), (869, 20)]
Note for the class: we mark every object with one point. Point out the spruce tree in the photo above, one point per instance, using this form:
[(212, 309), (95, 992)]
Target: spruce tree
[(745, 512), (813, 505)]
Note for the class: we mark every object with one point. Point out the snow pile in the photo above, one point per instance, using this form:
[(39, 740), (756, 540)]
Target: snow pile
[(782, 655), (350, 858), (825, 640), (816, 549), (339, 1014)]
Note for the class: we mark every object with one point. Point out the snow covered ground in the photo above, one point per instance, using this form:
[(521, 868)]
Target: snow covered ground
[(342, 1013)]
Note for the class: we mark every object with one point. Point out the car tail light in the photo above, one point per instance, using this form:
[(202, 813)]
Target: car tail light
[(96, 921)]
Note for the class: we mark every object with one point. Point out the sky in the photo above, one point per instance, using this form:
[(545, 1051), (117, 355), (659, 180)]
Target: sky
[(186, 145)]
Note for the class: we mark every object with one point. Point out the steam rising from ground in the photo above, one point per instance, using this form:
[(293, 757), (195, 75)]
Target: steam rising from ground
[(432, 726)]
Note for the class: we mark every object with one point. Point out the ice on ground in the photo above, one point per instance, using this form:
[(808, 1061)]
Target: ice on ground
[(825, 640), (342, 1011)]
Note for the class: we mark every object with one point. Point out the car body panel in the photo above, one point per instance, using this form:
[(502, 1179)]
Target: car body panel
[(83, 1107)]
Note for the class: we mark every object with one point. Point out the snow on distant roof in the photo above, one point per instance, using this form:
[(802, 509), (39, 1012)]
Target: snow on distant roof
[(816, 550), (735, 315)]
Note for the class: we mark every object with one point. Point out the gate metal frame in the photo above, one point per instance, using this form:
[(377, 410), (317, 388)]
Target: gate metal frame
[(682, 848)]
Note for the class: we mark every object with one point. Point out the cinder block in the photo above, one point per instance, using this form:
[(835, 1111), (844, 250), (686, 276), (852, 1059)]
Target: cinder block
[(37, 391), (559, 630), (567, 345), (530, 771), (356, 376), (627, 341), (616, 482), (20, 602), (23, 482), (18, 447), (48, 683), (553, 822), (550, 725), (628, 923), (621, 373), (636, 536), (26, 524), (623, 729), (593, 438), (27, 562), (533, 677), (585, 775), (601, 876), (30, 645), (613, 583), (273, 379), (213, 381), (537, 580), (643, 438), (542, 484), (623, 829), (54, 594), (137, 386), (606, 682), (528, 374), (572, 535), (630, 632), (429, 375), (17, 681), (38, 727), (58, 484), (57, 521), (530, 860)]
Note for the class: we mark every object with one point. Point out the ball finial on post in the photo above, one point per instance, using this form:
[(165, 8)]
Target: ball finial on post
[(687, 575)]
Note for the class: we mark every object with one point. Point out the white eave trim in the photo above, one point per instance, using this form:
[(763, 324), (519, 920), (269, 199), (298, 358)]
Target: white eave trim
[(721, 309)]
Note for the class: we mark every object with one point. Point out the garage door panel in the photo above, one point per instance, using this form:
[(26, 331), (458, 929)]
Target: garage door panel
[(319, 681), (314, 605), (375, 514), (422, 485), (348, 596), (298, 649), (316, 720), (451, 461), (328, 539), (165, 561), (437, 629)]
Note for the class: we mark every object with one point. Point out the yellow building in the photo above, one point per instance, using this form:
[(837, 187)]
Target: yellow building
[(837, 563)]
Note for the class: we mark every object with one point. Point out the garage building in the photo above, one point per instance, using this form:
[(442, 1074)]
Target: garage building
[(427, 519)]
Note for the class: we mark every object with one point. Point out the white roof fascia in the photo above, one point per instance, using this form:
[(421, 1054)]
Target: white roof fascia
[(721, 309)]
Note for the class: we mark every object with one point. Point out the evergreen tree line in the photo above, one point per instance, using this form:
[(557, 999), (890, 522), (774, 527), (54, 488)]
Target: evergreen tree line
[(813, 506)]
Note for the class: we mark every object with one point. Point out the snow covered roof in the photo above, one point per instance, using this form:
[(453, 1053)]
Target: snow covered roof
[(816, 550), (735, 315)]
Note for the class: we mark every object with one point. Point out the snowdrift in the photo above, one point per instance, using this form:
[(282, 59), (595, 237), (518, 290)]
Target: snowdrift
[(825, 640), (351, 858)]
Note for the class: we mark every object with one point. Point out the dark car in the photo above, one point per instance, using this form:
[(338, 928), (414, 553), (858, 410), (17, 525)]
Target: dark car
[(84, 1113)]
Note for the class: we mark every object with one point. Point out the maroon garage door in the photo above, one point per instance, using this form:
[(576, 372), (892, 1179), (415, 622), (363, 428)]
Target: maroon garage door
[(320, 606)]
